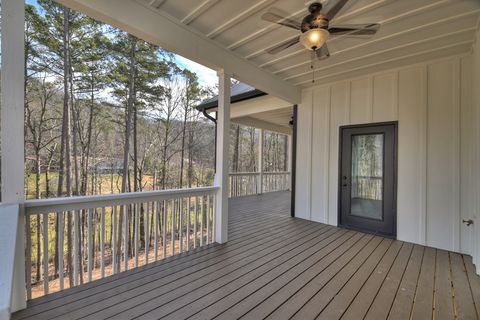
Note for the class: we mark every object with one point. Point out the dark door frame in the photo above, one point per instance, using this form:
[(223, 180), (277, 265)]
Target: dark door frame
[(395, 172), (294, 160)]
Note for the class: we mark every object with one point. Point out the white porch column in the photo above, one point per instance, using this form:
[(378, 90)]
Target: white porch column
[(12, 124), (223, 147), (260, 161)]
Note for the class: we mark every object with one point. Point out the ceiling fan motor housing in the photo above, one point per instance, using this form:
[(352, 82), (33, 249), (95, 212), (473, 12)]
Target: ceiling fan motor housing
[(315, 20), (315, 27)]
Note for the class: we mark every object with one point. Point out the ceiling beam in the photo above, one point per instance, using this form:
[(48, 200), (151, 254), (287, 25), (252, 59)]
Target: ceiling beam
[(255, 105), (160, 29), (262, 124)]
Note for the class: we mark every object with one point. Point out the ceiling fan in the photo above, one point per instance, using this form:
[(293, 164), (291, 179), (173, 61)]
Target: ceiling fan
[(315, 28)]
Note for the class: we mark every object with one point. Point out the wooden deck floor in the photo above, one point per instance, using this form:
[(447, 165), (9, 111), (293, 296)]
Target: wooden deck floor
[(276, 267)]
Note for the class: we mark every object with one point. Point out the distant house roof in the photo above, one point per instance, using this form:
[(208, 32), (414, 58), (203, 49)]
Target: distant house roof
[(239, 92)]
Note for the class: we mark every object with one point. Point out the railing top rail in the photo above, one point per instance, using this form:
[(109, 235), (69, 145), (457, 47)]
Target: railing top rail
[(107, 200), (276, 172), (257, 173), (244, 173)]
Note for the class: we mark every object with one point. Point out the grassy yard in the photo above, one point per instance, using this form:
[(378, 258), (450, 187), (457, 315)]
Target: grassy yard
[(106, 184)]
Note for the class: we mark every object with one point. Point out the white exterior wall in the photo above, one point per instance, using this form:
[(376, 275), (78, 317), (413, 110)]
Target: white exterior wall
[(432, 103)]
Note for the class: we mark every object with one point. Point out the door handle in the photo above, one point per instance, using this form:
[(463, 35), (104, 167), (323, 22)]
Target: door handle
[(468, 222), (345, 183)]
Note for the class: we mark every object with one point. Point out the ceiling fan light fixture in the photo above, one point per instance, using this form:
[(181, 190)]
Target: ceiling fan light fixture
[(314, 38)]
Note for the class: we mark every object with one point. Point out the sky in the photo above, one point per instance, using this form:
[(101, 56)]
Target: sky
[(205, 75)]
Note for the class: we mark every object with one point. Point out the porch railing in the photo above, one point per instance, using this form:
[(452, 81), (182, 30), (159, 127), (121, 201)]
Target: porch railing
[(249, 183), (87, 238), (243, 184)]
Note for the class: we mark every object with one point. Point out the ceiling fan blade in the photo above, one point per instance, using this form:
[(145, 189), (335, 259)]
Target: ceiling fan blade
[(275, 16), (335, 9), (323, 52), (284, 45), (355, 30)]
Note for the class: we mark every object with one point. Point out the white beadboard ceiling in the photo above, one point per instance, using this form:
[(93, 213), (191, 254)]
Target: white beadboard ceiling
[(411, 31)]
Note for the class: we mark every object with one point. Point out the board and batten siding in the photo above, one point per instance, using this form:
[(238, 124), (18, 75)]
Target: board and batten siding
[(432, 103)]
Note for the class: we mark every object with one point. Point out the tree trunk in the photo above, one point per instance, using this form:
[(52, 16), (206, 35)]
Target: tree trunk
[(65, 170), (252, 164), (37, 196), (236, 149), (182, 152), (126, 150), (136, 180), (190, 157)]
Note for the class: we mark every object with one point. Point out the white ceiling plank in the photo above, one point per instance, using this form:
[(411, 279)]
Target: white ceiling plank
[(398, 10), (159, 28), (410, 59), (262, 124), (460, 36), (157, 3), (198, 11), (349, 15), (239, 17), (410, 35)]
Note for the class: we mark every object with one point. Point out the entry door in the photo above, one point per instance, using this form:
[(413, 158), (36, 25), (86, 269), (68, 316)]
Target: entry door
[(367, 195)]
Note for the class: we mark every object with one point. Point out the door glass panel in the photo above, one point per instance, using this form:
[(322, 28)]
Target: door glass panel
[(367, 176)]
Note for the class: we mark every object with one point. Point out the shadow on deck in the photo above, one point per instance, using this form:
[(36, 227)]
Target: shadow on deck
[(278, 267)]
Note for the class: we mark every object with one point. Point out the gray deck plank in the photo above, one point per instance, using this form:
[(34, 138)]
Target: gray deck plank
[(197, 299), (362, 286), (474, 281), (361, 265), (385, 295), (423, 303), (136, 279), (317, 280), (463, 300), (267, 298), (402, 305), (175, 299), (443, 308), (278, 267), (254, 231), (129, 296), (238, 290)]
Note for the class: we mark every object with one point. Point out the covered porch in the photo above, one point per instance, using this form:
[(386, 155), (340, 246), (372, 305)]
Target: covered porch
[(278, 267)]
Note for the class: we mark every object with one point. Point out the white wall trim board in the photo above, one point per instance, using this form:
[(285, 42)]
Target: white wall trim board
[(456, 153), (423, 207)]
